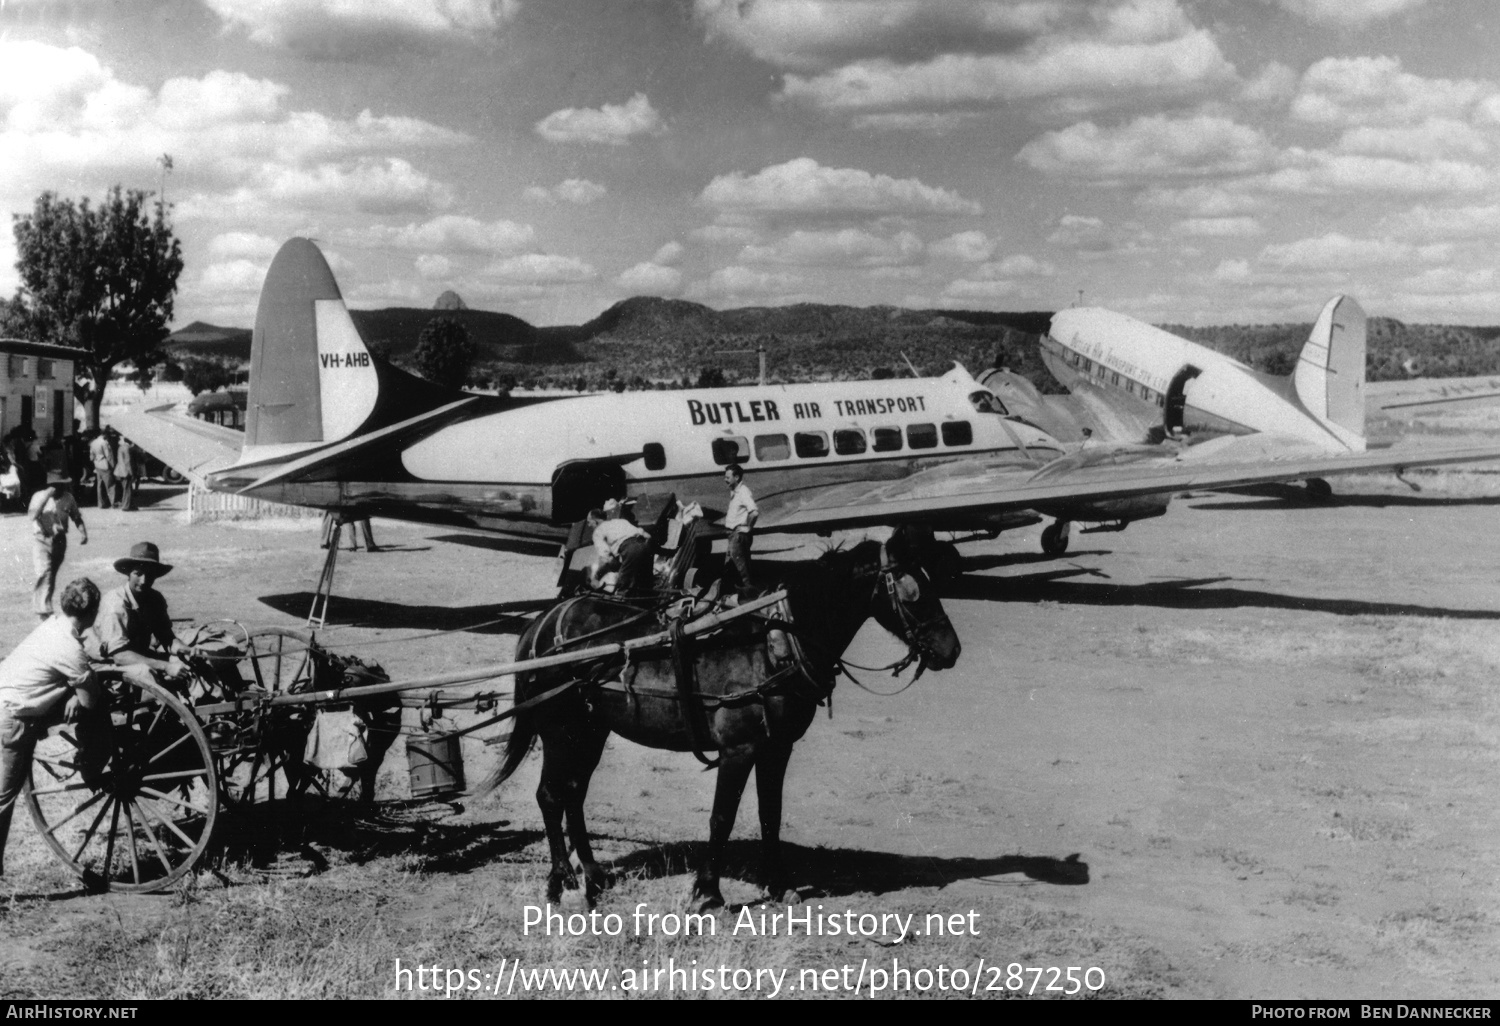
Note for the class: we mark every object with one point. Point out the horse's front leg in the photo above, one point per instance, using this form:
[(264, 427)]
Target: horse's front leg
[(587, 754), (770, 775), (734, 771)]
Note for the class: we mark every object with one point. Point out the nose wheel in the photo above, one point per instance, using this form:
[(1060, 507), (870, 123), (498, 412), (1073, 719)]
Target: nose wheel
[(1055, 538)]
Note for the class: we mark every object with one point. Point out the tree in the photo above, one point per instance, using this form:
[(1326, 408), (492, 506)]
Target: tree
[(205, 375), (100, 279), (444, 352)]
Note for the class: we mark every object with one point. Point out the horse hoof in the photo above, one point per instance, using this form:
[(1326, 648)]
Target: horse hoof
[(576, 900)]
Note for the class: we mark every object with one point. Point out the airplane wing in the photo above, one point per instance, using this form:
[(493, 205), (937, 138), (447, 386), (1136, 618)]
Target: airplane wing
[(190, 446), (977, 486)]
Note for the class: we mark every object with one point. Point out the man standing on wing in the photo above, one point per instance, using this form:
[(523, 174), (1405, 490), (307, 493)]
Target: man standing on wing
[(739, 521)]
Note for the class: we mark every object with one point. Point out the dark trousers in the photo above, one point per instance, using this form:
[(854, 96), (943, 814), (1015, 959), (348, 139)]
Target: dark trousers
[(104, 481), (635, 574), (737, 561), (18, 740)]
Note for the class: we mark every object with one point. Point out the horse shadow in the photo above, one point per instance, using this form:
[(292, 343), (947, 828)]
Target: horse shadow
[(488, 618), (835, 872), (520, 546)]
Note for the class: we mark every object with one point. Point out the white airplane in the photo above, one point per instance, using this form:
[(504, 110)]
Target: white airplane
[(332, 427)]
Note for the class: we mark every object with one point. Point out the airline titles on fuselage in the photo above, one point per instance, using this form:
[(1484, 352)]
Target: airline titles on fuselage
[(1095, 350), (753, 410)]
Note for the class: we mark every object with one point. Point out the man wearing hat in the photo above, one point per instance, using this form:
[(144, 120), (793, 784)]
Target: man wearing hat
[(619, 542), (51, 510), (134, 616)]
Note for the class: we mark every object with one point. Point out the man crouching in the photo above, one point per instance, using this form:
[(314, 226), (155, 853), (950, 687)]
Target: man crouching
[(45, 681), (134, 630)]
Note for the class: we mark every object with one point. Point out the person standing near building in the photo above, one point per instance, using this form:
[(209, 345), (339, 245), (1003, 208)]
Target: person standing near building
[(739, 521), (50, 511), (102, 453), (127, 474), (47, 680)]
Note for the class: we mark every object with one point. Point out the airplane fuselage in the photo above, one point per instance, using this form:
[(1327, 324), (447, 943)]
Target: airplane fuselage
[(534, 469)]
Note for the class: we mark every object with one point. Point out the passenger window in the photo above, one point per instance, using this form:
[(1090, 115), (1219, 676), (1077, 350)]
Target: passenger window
[(811, 443), (1114, 379), (771, 447), (731, 449), (1130, 387), (922, 436), (848, 442), (887, 439), (1088, 365), (656, 456), (957, 432)]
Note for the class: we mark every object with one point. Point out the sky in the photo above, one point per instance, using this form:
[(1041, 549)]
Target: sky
[(1183, 161)]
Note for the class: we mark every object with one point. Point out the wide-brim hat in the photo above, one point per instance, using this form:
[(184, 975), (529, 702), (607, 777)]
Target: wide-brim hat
[(143, 556), (613, 504)]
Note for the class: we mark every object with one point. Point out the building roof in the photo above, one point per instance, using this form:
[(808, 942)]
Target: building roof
[(20, 347)]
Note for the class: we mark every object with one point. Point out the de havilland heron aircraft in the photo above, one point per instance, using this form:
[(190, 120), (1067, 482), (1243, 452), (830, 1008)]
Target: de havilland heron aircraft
[(333, 427)]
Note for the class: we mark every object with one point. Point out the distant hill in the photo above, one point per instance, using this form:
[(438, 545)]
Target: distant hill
[(209, 340), (648, 342)]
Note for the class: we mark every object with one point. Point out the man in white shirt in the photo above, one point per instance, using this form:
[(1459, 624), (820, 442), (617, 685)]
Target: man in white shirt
[(620, 543), (739, 521), (51, 510), (44, 681)]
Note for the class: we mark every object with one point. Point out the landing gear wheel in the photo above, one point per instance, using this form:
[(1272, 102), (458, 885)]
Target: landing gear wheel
[(1055, 538), (146, 818), (1318, 490)]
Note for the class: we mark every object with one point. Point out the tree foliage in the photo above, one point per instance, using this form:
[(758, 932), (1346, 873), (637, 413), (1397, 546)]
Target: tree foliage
[(444, 352), (101, 279), (205, 375)]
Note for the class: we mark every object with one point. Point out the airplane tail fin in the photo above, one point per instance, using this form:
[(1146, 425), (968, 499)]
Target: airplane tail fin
[(311, 377), (1330, 375)]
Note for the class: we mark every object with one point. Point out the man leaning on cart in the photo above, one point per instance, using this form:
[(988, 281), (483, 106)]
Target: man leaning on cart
[(45, 681)]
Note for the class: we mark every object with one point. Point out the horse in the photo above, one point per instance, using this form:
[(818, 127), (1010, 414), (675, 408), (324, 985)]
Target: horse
[(748, 693)]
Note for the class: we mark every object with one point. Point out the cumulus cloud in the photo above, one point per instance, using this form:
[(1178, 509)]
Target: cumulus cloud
[(1150, 146), (1435, 137), (982, 291), (848, 247), (725, 235), (1203, 200), (578, 191), (970, 247), (1353, 13), (650, 278), (1375, 90), (1018, 265), (1469, 222), (1232, 272), (806, 187), (1273, 84), (433, 266), (1094, 70), (610, 125), (743, 284), (1319, 172), (1336, 251), (247, 245), (811, 34), (389, 186), (541, 269), (342, 29), (452, 233), (668, 255)]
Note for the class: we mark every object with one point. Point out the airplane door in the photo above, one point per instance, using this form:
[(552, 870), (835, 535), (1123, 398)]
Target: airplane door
[(581, 485), (1176, 404)]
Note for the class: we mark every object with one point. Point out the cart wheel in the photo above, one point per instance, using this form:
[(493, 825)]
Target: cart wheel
[(149, 816), (260, 751)]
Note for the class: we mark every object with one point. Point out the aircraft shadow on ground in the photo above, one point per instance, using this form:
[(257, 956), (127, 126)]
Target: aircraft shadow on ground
[(1279, 496), (491, 618), (495, 543), (833, 872), (972, 564), (1186, 593)]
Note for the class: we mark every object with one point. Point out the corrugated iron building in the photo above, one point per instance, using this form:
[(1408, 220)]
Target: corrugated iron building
[(36, 388)]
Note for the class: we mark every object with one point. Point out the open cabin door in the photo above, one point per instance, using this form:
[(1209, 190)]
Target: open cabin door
[(1175, 407), (581, 485)]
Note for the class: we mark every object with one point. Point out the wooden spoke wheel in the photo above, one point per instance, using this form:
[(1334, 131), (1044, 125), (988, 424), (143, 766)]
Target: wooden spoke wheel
[(145, 818), (259, 750)]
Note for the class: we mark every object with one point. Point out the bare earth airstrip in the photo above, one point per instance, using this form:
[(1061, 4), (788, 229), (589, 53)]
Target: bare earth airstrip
[(1250, 749)]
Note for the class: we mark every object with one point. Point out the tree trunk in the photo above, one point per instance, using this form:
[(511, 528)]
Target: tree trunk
[(88, 393)]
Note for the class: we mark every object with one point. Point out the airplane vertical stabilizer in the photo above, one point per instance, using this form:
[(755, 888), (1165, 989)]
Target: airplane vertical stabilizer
[(311, 377), (1330, 375)]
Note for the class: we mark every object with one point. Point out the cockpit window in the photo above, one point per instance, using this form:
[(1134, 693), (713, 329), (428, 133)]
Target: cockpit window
[(987, 402)]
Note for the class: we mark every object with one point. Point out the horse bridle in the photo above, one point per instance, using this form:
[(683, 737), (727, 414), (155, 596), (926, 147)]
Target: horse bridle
[(911, 627)]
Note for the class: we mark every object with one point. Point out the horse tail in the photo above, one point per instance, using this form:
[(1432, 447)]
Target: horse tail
[(523, 724)]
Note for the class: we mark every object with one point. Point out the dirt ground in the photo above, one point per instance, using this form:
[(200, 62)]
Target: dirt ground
[(1265, 731)]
